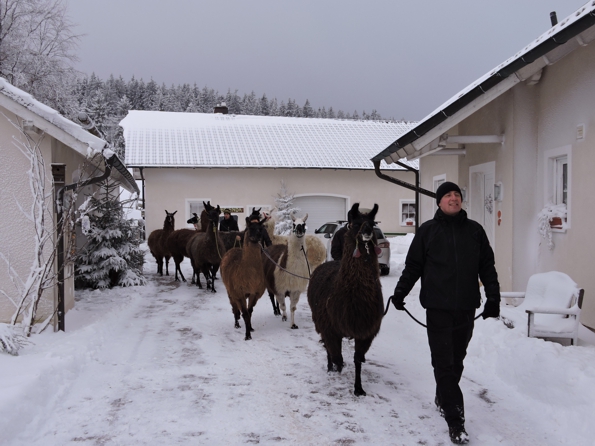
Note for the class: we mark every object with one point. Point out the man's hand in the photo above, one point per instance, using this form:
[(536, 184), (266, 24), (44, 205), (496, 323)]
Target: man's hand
[(398, 301), (491, 309)]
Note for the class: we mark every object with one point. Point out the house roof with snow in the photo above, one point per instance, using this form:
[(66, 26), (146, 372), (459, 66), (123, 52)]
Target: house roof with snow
[(427, 136), (215, 140), (64, 130)]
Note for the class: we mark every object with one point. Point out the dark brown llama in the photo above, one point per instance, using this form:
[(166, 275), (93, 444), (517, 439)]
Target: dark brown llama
[(243, 275), (178, 240), (346, 296), (157, 242), (206, 250)]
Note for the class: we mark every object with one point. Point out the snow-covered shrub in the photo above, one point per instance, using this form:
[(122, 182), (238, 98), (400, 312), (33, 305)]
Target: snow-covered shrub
[(285, 210), (11, 339), (544, 218)]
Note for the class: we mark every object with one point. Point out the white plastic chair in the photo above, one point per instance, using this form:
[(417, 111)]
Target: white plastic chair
[(552, 302)]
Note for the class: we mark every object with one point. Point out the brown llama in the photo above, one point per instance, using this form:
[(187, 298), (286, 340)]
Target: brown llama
[(243, 275), (206, 250), (346, 296), (157, 242), (178, 240), (286, 269)]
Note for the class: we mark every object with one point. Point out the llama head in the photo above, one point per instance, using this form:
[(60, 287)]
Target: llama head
[(254, 229), (207, 206), (194, 219), (213, 215), (362, 224), (299, 226), (170, 221)]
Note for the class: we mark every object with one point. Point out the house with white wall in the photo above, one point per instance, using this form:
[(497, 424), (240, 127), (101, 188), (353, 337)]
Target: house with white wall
[(520, 142), (69, 156), (239, 162)]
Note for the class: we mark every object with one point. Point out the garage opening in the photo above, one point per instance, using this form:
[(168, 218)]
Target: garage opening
[(321, 209)]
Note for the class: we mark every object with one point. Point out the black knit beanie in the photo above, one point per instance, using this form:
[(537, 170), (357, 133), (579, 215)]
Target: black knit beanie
[(445, 188)]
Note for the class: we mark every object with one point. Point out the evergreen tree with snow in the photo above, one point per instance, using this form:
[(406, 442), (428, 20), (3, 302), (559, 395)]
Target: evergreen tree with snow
[(285, 210), (112, 255)]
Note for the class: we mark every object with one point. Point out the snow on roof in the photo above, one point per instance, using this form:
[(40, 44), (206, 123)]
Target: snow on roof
[(169, 139), (52, 116)]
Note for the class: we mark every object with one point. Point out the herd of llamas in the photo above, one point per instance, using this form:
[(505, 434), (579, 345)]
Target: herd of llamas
[(345, 296)]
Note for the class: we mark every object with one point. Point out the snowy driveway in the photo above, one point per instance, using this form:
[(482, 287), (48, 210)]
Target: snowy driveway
[(162, 364)]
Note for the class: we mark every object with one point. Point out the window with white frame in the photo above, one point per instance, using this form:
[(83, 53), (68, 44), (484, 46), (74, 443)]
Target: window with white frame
[(558, 185), (560, 181), (195, 206), (407, 211), (438, 180)]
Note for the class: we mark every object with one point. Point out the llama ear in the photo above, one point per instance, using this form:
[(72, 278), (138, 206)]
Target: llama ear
[(174, 213), (354, 210), (166, 213), (292, 217), (305, 218), (372, 213)]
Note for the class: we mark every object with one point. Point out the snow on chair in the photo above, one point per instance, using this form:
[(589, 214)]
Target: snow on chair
[(552, 302)]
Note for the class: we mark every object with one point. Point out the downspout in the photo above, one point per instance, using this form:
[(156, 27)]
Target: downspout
[(142, 179), (60, 310), (417, 189), (416, 172)]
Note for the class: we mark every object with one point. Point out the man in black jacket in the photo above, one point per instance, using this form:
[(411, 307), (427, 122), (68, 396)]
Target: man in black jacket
[(450, 253), (228, 223)]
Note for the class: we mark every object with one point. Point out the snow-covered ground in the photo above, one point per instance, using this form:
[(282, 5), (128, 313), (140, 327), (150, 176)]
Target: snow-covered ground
[(162, 364)]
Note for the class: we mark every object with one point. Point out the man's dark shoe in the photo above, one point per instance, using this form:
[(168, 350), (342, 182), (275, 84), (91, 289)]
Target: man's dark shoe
[(438, 406), (458, 435)]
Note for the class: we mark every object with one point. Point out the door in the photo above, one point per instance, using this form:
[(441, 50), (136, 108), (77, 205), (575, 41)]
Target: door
[(481, 198)]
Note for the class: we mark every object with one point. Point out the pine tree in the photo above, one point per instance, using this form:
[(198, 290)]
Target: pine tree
[(112, 255), (285, 210), (307, 110)]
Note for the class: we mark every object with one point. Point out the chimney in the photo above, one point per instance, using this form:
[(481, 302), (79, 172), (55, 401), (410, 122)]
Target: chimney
[(221, 108), (553, 18)]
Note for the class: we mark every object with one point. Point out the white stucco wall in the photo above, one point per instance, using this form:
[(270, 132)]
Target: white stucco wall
[(567, 99), (431, 166), (16, 233), (169, 189)]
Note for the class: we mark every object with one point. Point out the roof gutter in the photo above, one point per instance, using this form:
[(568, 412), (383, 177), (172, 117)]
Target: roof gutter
[(560, 38)]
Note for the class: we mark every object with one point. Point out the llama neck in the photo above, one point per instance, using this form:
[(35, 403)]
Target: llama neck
[(358, 254)]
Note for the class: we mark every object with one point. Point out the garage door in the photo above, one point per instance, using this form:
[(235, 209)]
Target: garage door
[(320, 209)]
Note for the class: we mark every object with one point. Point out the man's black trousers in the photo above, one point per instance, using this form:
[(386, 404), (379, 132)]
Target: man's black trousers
[(449, 333)]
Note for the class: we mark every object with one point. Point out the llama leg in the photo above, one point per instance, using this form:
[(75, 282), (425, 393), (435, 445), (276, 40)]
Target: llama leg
[(294, 298), (333, 349), (167, 265), (160, 266), (361, 347), (178, 261), (206, 271), (281, 301), (275, 304), (236, 315), (247, 319)]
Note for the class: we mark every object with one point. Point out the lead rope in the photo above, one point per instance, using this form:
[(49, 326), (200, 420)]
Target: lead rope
[(423, 325), (281, 268), (217, 242)]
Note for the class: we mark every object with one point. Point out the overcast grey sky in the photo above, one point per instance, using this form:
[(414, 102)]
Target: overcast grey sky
[(401, 57)]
